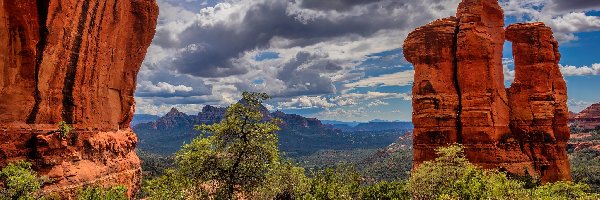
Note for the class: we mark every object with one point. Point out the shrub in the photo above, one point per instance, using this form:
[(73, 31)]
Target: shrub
[(386, 191), (99, 193), (20, 181), (340, 183), (64, 130)]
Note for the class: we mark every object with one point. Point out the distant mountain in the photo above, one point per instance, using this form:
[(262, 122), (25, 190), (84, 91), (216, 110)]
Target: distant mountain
[(588, 119), (298, 136), (143, 118), (334, 122), (373, 126)]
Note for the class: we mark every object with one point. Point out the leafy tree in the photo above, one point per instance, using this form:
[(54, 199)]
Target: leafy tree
[(175, 186), (231, 158), (99, 193), (285, 181), (451, 176), (19, 180), (564, 190), (386, 191), (339, 183)]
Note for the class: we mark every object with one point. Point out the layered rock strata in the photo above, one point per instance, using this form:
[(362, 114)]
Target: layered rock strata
[(588, 119), (77, 62), (459, 94)]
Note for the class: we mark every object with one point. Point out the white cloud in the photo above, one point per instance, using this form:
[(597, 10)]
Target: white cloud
[(306, 102), (580, 71), (403, 78), (377, 103), (565, 20)]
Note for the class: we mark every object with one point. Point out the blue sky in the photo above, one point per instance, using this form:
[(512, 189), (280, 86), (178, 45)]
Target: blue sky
[(336, 59)]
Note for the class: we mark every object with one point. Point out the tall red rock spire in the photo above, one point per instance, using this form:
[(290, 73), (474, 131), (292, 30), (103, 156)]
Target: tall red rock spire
[(73, 61), (459, 94)]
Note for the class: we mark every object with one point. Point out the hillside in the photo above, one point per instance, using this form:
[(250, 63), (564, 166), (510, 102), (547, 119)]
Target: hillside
[(299, 135)]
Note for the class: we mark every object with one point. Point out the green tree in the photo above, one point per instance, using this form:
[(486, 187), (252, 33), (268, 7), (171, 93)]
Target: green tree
[(451, 176), (235, 155), (19, 180), (99, 193), (386, 191), (285, 181), (340, 183)]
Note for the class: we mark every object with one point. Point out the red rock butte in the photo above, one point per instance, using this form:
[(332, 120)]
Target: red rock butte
[(459, 94), (73, 61)]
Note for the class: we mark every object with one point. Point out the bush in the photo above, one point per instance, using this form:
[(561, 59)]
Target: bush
[(64, 130), (285, 181), (332, 184), (451, 176), (20, 181), (386, 191), (564, 190), (99, 193)]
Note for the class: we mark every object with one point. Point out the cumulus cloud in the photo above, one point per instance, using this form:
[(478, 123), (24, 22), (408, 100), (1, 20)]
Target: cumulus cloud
[(306, 102), (403, 78), (211, 46), (377, 103), (580, 71), (564, 17)]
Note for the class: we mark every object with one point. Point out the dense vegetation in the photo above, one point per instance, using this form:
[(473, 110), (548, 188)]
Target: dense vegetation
[(240, 159)]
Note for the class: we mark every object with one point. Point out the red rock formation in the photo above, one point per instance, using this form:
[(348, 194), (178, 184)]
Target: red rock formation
[(589, 118), (73, 61), (435, 94), (458, 63), (538, 100)]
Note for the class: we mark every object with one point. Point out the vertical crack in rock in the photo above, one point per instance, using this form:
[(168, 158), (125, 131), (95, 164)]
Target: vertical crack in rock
[(42, 9), (459, 136), (69, 84)]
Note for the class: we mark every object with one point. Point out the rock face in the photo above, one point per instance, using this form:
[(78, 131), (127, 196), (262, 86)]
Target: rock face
[(459, 94), (73, 61), (589, 118)]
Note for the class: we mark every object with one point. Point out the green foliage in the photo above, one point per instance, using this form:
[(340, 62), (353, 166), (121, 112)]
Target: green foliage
[(564, 190), (585, 167), (451, 176), (19, 180), (386, 191), (99, 193), (234, 159), (64, 130), (173, 185), (154, 165), (340, 183), (284, 181)]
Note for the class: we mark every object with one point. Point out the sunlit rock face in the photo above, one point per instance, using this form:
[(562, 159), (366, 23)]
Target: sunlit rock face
[(459, 94), (73, 61)]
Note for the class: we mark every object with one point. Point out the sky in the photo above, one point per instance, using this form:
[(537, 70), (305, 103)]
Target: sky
[(335, 59)]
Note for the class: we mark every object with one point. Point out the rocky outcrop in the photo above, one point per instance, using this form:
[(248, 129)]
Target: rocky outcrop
[(459, 94), (589, 118), (73, 61)]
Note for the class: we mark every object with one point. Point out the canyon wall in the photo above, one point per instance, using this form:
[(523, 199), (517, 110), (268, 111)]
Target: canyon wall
[(459, 94), (77, 62)]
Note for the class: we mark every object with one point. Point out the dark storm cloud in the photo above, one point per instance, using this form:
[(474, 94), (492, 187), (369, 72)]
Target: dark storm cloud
[(334, 4), (307, 80), (575, 5), (212, 50)]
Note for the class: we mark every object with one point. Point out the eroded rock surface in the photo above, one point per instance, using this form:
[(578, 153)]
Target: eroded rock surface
[(589, 118), (459, 94), (73, 61)]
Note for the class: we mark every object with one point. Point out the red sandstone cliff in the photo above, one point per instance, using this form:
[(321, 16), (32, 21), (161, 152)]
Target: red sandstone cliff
[(73, 61), (589, 118), (459, 94)]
